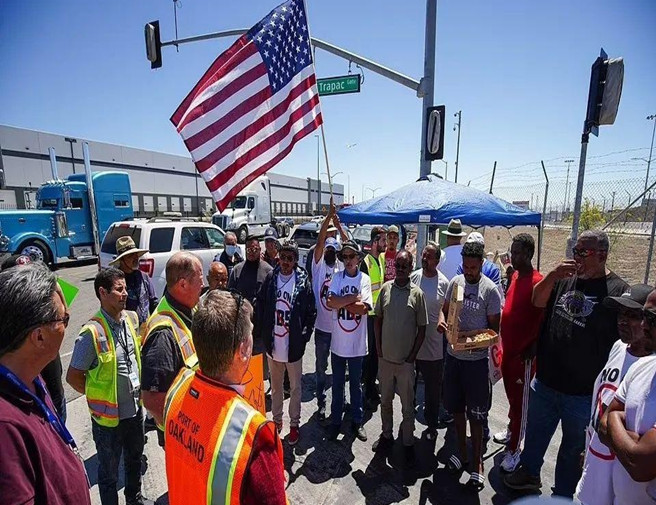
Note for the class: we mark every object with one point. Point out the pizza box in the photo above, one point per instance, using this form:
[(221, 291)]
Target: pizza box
[(467, 340)]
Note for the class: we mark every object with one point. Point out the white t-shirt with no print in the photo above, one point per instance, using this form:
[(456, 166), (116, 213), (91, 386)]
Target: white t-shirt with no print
[(349, 331)]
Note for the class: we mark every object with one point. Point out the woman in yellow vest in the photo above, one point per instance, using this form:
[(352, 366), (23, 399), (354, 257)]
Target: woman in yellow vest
[(219, 449), (106, 367)]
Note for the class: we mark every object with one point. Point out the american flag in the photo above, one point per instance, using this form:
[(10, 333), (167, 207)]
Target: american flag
[(253, 104)]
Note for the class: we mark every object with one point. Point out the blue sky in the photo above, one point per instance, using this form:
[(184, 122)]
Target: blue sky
[(518, 70)]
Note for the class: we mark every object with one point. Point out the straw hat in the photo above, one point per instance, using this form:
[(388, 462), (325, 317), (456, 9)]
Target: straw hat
[(124, 247)]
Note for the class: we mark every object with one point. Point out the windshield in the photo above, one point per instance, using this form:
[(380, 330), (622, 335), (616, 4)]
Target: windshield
[(239, 203), (362, 233), (47, 203)]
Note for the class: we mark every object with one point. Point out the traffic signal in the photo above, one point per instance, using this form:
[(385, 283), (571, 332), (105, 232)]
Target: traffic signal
[(153, 44), (605, 91), (434, 147)]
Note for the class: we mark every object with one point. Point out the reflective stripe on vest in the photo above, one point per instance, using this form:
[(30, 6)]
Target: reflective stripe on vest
[(210, 432), (101, 381), (166, 317)]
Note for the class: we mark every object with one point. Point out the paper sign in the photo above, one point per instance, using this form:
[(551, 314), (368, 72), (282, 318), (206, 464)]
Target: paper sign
[(254, 383), (69, 291), (424, 218)]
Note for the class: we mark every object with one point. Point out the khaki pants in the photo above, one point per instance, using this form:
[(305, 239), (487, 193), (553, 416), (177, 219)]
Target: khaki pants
[(403, 376), (277, 372)]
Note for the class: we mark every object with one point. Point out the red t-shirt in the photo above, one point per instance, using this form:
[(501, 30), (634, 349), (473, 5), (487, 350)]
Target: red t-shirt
[(390, 266), (520, 320), (36, 465)]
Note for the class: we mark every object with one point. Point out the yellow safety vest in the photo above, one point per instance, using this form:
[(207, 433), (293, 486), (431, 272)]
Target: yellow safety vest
[(101, 381), (165, 316), (376, 276)]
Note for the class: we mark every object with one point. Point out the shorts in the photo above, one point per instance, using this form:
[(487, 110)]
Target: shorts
[(466, 387)]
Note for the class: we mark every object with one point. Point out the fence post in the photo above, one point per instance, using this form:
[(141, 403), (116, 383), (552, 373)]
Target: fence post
[(651, 248), (544, 211)]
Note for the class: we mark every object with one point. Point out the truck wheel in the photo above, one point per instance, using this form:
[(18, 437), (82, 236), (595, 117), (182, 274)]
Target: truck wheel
[(36, 250), (242, 233)]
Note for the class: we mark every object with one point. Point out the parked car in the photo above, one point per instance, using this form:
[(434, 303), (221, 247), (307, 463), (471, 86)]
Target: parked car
[(164, 237)]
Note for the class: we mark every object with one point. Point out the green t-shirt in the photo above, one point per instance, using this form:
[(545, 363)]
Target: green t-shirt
[(403, 310)]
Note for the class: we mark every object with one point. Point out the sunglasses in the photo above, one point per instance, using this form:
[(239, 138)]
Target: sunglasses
[(649, 317), (253, 249), (583, 252), (287, 257)]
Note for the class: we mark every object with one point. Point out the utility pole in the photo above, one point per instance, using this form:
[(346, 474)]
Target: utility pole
[(459, 116), (566, 201)]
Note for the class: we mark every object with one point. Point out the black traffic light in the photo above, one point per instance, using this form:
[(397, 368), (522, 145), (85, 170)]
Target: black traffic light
[(153, 44), (434, 147)]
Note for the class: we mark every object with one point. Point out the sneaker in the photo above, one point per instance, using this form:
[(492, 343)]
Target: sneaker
[(502, 438), (332, 432), (293, 435), (521, 480), (383, 444), (359, 431), (510, 461)]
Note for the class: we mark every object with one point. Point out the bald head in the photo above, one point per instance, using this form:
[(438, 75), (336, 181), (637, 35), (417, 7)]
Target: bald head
[(217, 277), (184, 278)]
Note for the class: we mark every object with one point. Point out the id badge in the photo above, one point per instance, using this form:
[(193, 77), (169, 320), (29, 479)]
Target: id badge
[(134, 381)]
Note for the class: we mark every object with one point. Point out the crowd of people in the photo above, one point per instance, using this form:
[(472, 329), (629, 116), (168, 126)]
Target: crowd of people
[(579, 350)]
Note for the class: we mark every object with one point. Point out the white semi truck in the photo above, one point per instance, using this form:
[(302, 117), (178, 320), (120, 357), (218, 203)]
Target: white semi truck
[(250, 212)]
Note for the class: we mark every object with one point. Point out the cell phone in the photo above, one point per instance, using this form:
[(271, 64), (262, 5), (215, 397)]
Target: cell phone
[(505, 258)]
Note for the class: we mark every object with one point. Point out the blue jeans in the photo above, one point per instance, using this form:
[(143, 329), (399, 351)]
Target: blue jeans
[(126, 438), (547, 407), (322, 351), (355, 388)]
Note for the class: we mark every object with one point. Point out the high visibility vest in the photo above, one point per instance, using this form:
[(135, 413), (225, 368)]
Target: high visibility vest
[(210, 430), (100, 384), (165, 316), (376, 277)]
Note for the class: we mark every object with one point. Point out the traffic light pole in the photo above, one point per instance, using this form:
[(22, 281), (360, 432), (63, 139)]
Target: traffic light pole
[(579, 194)]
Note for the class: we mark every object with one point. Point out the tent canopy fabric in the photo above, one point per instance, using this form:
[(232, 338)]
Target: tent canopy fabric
[(436, 201)]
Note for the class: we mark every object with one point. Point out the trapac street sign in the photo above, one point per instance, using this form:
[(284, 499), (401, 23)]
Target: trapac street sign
[(339, 85)]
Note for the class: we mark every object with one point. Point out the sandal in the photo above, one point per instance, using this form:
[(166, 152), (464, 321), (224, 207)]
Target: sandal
[(476, 481), (455, 465)]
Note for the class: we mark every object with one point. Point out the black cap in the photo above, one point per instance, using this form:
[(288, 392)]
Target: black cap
[(350, 244), (634, 298)]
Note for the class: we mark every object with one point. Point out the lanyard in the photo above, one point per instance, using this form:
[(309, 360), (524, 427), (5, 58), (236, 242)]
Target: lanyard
[(52, 418)]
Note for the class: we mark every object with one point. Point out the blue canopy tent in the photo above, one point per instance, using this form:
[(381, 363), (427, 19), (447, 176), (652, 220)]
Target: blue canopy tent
[(432, 200)]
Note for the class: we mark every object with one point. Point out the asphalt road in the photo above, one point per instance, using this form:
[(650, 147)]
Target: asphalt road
[(320, 471)]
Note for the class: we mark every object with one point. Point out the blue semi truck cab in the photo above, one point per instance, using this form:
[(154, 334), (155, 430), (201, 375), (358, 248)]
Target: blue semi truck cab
[(61, 226)]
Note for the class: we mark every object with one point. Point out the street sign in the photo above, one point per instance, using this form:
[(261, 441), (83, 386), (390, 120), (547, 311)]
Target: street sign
[(339, 85), (435, 133)]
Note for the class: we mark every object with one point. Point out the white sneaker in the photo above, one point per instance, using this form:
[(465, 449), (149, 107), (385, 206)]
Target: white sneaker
[(503, 437), (510, 461)]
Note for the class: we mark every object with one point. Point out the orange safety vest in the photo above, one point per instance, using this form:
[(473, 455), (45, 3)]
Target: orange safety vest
[(210, 430)]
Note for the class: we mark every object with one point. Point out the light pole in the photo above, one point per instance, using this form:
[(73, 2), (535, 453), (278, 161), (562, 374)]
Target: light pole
[(567, 183), (373, 191), (331, 177), (446, 169), (459, 116), (318, 178), (652, 117)]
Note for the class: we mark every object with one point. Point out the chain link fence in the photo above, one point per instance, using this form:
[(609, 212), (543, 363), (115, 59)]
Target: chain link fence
[(617, 197)]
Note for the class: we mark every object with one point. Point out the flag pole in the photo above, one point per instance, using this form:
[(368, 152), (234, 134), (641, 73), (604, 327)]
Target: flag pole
[(323, 133)]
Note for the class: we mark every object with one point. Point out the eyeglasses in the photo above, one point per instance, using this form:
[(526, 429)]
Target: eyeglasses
[(287, 257), (649, 317), (64, 319)]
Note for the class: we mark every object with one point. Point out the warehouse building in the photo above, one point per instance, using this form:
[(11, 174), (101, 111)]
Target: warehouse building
[(160, 182)]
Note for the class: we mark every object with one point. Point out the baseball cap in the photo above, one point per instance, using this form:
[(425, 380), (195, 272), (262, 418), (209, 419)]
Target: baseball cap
[(351, 244), (332, 242), (475, 237), (393, 229), (634, 298), (332, 228), (270, 233)]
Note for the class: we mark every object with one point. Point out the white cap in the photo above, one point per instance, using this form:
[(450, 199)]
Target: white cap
[(475, 237)]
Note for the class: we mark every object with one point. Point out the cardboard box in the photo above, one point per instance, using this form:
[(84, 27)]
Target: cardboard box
[(465, 341)]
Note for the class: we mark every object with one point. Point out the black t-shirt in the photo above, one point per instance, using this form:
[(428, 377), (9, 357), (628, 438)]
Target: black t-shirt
[(577, 333), (161, 359)]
